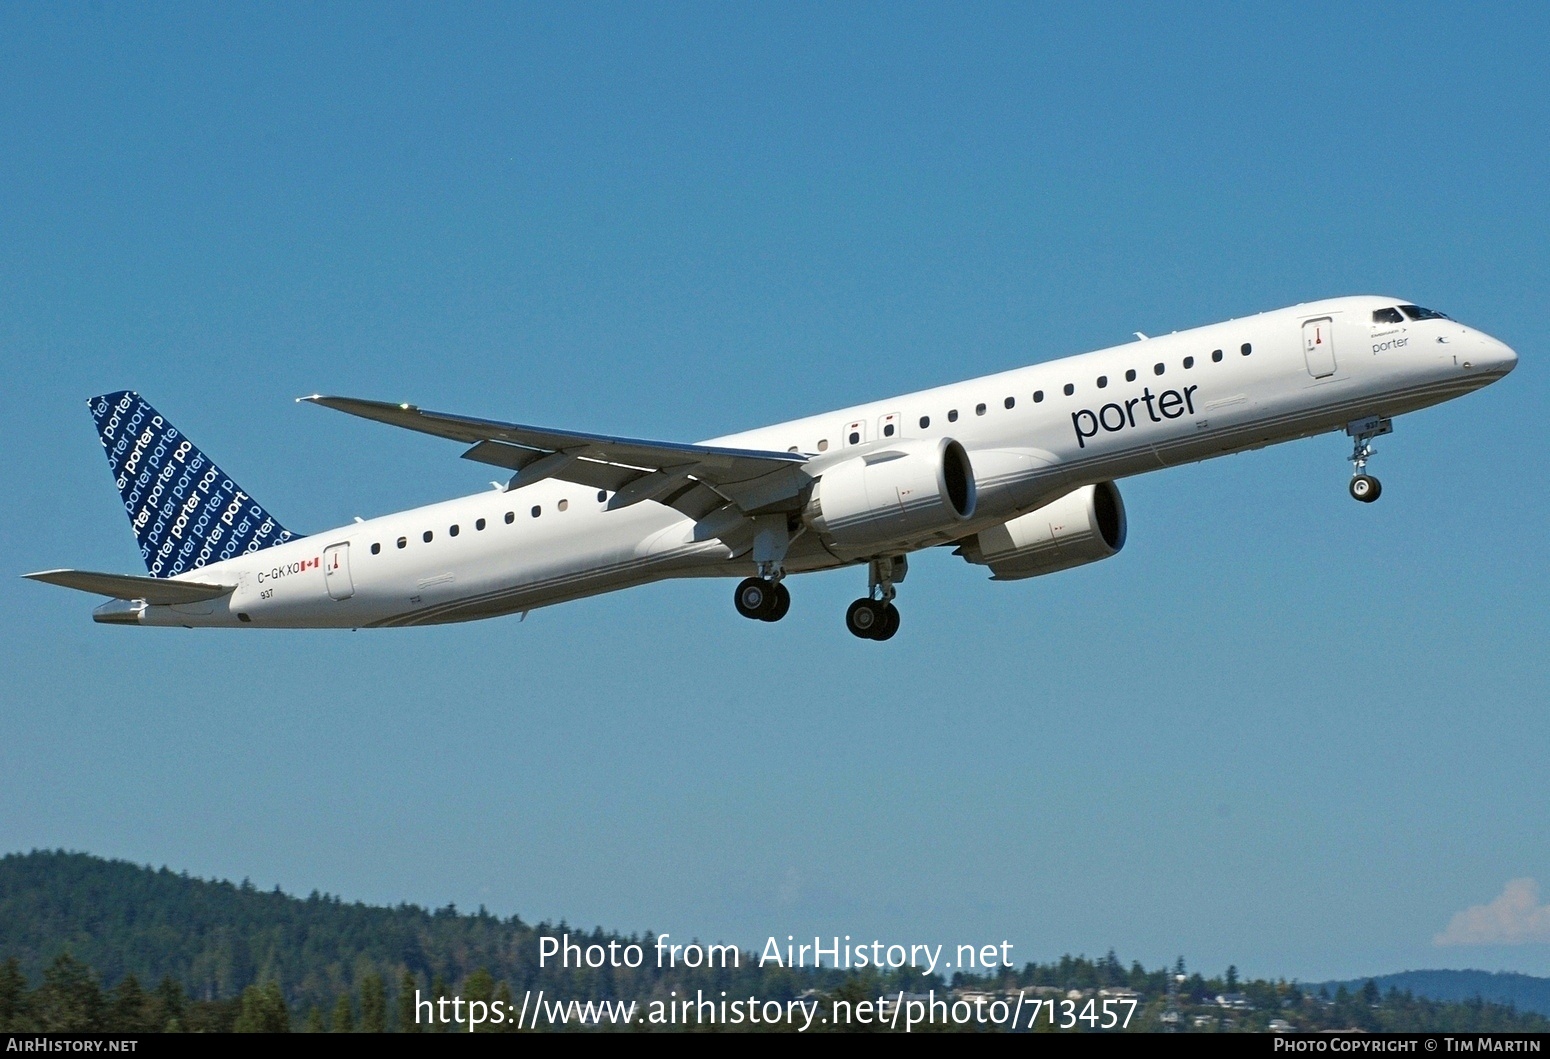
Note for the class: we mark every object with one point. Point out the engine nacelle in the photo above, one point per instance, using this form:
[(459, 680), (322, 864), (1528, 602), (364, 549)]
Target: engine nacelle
[(910, 494), (1081, 527)]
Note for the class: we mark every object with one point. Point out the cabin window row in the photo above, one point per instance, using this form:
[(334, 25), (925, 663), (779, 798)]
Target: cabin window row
[(479, 524), (888, 430)]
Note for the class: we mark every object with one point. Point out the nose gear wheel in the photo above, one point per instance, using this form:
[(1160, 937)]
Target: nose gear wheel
[(1365, 487)]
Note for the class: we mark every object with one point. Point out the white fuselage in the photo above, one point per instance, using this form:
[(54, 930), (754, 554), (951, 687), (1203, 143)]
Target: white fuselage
[(1193, 394)]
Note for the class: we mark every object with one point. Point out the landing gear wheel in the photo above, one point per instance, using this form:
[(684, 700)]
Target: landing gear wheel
[(1366, 488), (755, 598), (864, 617), (890, 623), (781, 605)]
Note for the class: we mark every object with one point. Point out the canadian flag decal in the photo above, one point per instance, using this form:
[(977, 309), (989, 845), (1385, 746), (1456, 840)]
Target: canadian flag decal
[(309, 564)]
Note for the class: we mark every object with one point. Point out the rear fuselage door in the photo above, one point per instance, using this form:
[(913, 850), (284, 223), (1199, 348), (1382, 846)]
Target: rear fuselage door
[(336, 571), (1318, 347)]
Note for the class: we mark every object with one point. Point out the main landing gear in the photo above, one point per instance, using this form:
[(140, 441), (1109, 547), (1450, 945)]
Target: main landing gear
[(874, 617), (762, 599), (1365, 487)]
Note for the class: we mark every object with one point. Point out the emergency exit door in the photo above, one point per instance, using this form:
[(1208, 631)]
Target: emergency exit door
[(336, 571), (1318, 347)]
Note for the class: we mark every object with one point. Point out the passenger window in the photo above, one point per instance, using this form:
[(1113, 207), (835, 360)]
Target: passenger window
[(602, 495), (925, 421), (888, 430), (427, 536), (979, 409), (1130, 375), (1390, 315), (952, 415), (1070, 389), (855, 437), (376, 549), (1010, 402), (1103, 380), (563, 505), (453, 531), (537, 510), (1216, 355), (793, 448), (823, 445), (1246, 349), (1157, 369), (403, 542), (479, 525), (1038, 395), (511, 516), (1189, 362)]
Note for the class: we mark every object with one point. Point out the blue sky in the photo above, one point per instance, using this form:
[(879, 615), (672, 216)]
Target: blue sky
[(1280, 729)]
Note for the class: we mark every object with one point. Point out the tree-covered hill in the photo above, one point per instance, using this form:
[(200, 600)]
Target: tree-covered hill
[(92, 944), (218, 938), (1522, 991)]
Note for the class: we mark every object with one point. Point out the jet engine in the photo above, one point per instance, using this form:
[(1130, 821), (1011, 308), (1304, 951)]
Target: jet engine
[(1081, 527), (912, 493)]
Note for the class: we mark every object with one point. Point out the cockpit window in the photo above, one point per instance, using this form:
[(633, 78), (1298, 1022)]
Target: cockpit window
[(1390, 315), (1415, 312)]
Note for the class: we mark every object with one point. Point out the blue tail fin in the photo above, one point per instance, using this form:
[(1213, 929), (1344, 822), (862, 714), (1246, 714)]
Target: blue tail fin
[(185, 511)]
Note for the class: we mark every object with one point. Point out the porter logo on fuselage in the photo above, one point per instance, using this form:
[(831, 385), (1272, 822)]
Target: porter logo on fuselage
[(1116, 416)]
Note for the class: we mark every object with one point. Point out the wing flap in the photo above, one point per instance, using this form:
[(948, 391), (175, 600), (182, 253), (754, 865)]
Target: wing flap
[(155, 590), (695, 479), (708, 462)]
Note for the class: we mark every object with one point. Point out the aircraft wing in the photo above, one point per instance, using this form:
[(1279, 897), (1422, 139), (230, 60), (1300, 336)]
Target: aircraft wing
[(155, 590), (695, 479)]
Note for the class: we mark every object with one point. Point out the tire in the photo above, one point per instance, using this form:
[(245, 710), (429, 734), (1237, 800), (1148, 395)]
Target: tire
[(889, 624), (1366, 488), (863, 618), (754, 598), (782, 604)]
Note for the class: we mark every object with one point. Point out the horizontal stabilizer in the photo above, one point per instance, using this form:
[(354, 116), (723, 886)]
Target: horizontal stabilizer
[(155, 590)]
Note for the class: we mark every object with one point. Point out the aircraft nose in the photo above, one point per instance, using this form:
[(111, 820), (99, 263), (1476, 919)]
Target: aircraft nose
[(1496, 357)]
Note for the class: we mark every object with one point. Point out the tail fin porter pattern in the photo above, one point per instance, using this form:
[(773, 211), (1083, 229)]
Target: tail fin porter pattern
[(186, 512)]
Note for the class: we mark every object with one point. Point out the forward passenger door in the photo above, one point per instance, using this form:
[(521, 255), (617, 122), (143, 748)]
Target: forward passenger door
[(1318, 347)]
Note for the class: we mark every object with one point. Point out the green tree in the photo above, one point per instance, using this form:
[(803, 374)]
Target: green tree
[(407, 987), (130, 1010), (314, 1023), (166, 1007), (263, 1010), (70, 1000), (1232, 978), (480, 986), (438, 991), (344, 1015), (13, 996), (504, 1000), (373, 1004)]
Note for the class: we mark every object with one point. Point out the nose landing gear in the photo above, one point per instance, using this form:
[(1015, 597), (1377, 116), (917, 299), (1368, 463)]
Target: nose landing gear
[(874, 617), (1365, 487)]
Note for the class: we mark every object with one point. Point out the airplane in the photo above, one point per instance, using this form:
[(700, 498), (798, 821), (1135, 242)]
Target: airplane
[(1015, 471)]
